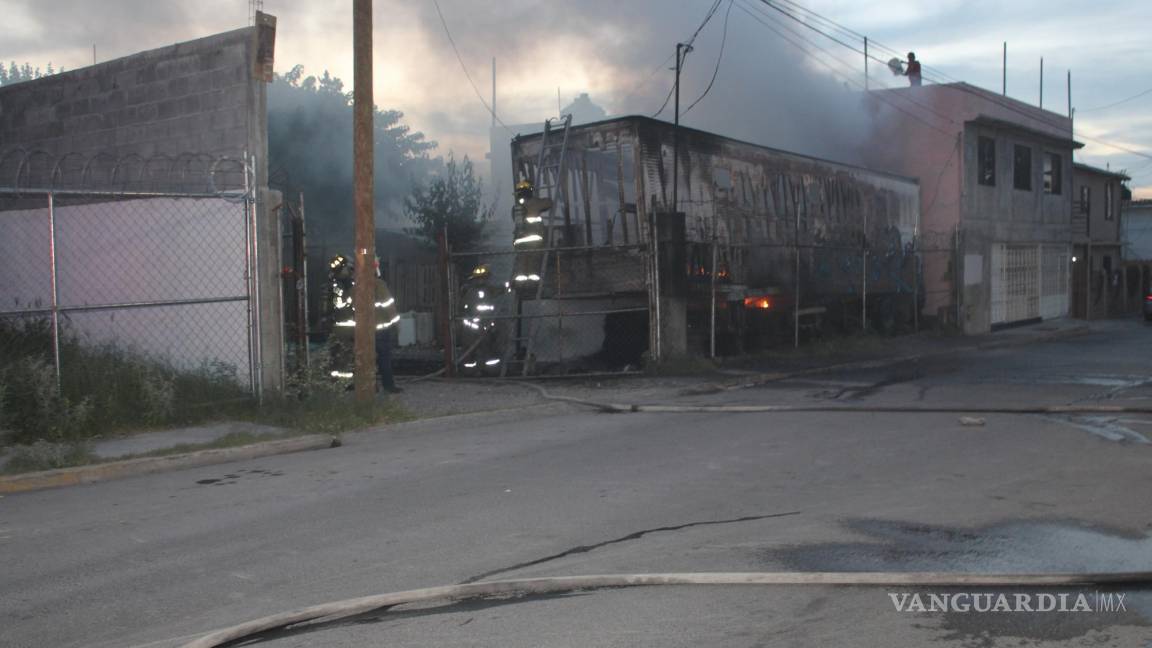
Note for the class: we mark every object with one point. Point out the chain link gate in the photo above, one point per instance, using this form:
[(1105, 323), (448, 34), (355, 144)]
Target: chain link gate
[(130, 291)]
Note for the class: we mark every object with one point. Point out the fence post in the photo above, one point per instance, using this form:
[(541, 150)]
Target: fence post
[(712, 306), (917, 259), (445, 304), (796, 293), (864, 273), (55, 291)]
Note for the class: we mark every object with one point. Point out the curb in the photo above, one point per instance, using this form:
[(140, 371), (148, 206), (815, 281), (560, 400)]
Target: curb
[(74, 476)]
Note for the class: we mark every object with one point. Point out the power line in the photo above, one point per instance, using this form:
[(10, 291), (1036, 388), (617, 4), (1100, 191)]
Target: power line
[(707, 17), (1112, 105), (463, 67), (719, 58), (1003, 102), (885, 98)]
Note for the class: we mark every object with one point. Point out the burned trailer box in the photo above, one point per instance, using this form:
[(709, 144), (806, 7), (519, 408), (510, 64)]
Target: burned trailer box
[(762, 247)]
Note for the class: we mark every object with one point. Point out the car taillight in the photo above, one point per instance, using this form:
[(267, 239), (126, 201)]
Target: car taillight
[(1148, 298)]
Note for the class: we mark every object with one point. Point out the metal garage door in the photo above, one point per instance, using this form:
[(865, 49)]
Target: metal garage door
[(1015, 283), (1055, 264)]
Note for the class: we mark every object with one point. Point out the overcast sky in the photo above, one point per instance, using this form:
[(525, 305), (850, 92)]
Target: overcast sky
[(617, 52)]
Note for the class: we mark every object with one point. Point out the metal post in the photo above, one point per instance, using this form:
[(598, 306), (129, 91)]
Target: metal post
[(1041, 82), (713, 292), (1004, 70), (916, 261), (445, 304), (303, 279), (55, 291), (864, 271), (957, 276), (676, 130), (363, 294), (865, 63), (253, 229), (1069, 94), (796, 294)]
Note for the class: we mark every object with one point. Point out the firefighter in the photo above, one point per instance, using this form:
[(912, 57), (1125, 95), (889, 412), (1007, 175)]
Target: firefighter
[(480, 333), (386, 317), (912, 71), (342, 283), (529, 231)]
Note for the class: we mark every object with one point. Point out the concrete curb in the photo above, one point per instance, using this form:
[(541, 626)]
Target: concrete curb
[(762, 378), (146, 465)]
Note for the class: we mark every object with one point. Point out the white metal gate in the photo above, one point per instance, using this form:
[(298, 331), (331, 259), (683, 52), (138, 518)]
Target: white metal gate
[(1015, 283), (1029, 282), (1055, 264)]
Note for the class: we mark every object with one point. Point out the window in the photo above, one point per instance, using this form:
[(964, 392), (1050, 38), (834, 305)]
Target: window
[(1108, 202), (1086, 200), (1022, 168), (1053, 173), (986, 161)]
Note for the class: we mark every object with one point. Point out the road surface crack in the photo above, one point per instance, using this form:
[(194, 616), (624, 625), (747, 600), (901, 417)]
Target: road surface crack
[(631, 536)]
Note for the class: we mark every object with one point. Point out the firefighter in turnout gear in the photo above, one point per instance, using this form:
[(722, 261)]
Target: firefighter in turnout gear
[(529, 235), (341, 280), (480, 332)]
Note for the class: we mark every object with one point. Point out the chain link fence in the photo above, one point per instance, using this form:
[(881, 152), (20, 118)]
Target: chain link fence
[(563, 311), (135, 302), (745, 298)]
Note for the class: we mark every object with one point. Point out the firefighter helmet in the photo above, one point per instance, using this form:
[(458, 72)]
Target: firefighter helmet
[(481, 271), (524, 191)]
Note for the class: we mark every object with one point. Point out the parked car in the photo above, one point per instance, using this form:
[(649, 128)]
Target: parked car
[(1148, 307)]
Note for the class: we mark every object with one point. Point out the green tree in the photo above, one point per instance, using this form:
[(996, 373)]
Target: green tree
[(451, 199), (17, 73), (310, 150)]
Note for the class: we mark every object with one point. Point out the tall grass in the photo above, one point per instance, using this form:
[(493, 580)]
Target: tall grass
[(103, 389)]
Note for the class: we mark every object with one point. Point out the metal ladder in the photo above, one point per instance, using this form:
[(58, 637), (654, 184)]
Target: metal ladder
[(550, 182)]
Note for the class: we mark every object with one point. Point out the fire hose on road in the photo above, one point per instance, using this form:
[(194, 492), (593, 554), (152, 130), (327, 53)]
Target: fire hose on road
[(537, 586)]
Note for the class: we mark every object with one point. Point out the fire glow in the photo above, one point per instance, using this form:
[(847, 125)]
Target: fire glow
[(762, 303)]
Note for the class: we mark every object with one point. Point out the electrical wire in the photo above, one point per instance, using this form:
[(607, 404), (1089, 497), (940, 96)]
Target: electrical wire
[(899, 96), (761, 18), (937, 76), (688, 48), (1112, 105), (719, 58), (448, 33)]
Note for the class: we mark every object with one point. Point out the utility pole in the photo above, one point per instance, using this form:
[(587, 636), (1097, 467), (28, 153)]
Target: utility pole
[(493, 92), (865, 64), (364, 292), (680, 48)]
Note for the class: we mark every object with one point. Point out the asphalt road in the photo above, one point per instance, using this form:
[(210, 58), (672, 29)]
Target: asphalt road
[(150, 560)]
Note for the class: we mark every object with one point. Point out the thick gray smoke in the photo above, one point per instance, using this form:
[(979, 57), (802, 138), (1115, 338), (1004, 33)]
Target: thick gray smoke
[(768, 90)]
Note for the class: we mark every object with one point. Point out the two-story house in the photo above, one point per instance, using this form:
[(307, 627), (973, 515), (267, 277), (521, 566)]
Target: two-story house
[(995, 176), (1097, 277)]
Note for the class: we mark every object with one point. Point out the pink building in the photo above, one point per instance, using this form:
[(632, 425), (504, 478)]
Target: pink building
[(995, 177)]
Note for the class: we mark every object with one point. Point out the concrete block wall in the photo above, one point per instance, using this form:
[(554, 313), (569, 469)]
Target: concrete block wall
[(204, 99), (193, 97)]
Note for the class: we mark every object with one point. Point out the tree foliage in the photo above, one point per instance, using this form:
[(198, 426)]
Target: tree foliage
[(17, 73), (310, 150), (451, 199)]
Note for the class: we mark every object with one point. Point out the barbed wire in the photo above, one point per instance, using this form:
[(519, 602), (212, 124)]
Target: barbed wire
[(35, 170)]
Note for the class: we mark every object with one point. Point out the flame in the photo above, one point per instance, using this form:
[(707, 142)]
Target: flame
[(757, 302)]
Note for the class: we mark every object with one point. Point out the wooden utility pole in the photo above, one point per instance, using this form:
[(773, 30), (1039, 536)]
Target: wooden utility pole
[(364, 292)]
